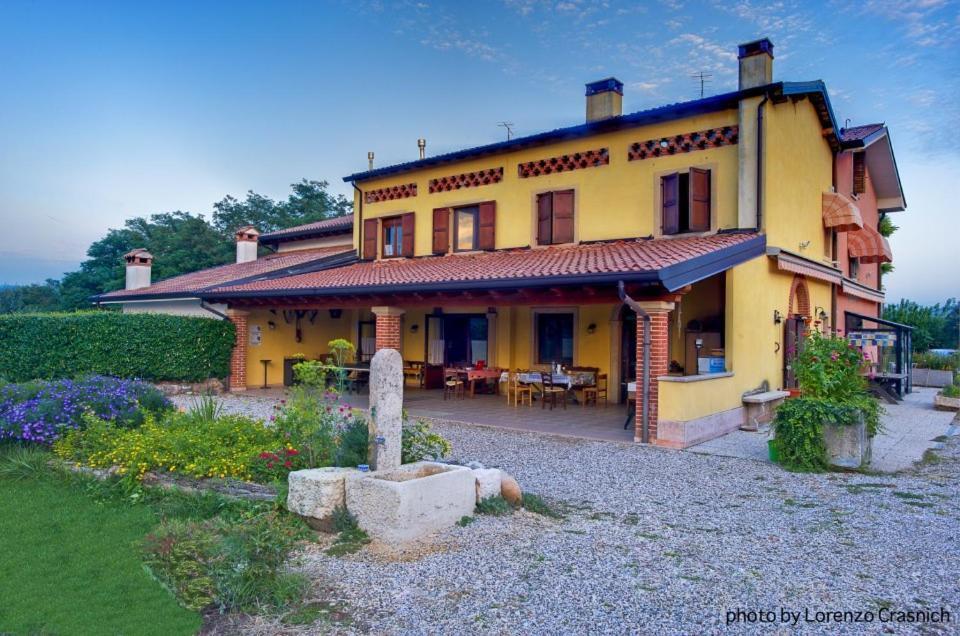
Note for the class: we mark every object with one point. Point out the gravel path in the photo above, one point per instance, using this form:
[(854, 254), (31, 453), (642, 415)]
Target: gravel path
[(662, 541)]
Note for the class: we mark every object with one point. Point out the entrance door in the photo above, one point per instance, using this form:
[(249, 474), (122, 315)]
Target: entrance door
[(628, 350), (465, 339), (794, 339)]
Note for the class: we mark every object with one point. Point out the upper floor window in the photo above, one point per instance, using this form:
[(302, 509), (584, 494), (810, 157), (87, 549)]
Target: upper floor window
[(555, 217), (392, 237), (465, 228), (854, 267), (473, 227), (685, 202), (859, 173)]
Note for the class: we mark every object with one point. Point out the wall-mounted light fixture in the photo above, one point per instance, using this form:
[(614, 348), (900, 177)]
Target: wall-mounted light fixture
[(336, 313), (804, 245), (272, 325), (414, 328), (821, 313), (592, 328), (777, 317)]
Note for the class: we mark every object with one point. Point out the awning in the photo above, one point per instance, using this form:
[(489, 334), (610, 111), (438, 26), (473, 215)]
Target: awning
[(852, 288), (840, 213), (869, 246), (794, 263)]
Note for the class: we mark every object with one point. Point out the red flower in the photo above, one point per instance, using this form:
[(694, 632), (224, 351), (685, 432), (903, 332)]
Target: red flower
[(292, 451), (269, 464), (264, 455), (288, 464)]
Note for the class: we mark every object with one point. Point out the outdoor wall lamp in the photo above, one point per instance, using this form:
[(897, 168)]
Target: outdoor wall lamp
[(592, 328), (777, 317), (414, 328), (821, 313), (336, 313), (272, 325)]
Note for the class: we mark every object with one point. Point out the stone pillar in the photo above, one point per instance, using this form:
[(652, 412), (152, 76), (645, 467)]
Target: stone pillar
[(388, 327), (238, 359), (386, 408), (659, 362)]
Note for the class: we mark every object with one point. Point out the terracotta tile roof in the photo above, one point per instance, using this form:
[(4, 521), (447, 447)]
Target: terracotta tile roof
[(336, 225), (191, 284), (519, 267), (858, 133)]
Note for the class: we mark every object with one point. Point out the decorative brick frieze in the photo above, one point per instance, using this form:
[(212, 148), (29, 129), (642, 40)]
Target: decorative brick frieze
[(564, 163), (389, 194), (466, 180), (238, 358), (687, 142)]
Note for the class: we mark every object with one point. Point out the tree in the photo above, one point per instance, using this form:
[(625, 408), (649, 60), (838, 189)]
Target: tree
[(308, 202), (23, 298), (934, 326)]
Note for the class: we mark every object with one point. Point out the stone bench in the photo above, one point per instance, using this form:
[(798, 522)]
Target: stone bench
[(759, 409)]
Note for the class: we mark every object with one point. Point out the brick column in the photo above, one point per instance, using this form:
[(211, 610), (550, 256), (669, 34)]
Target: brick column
[(388, 327), (238, 359), (659, 362)]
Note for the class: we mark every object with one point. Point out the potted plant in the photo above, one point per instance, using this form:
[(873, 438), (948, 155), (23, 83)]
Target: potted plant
[(835, 420)]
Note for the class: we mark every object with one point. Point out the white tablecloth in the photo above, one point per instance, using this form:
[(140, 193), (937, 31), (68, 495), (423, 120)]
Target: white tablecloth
[(534, 378)]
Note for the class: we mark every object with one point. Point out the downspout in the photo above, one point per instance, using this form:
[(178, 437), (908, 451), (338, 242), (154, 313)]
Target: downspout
[(760, 108), (358, 219), (645, 388), (204, 305)]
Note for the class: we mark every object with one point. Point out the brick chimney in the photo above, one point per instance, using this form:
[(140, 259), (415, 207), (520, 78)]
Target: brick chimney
[(756, 63), (247, 241), (604, 99), (139, 262)]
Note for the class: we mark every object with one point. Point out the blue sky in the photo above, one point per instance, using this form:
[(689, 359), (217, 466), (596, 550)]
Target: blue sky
[(114, 110)]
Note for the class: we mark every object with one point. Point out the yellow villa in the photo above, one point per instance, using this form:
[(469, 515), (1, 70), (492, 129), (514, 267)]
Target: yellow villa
[(673, 255)]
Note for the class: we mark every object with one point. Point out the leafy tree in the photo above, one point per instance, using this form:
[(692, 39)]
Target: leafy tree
[(17, 298), (935, 326), (308, 202)]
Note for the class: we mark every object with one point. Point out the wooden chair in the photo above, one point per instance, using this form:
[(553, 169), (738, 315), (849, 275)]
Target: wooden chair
[(453, 386), (593, 394), (551, 392), (414, 370), (518, 390)]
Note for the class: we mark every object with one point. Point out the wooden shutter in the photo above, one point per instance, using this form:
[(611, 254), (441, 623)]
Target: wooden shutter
[(859, 173), (441, 230), (699, 200), (670, 201), (544, 218), (563, 216), (487, 226), (407, 222), (370, 227)]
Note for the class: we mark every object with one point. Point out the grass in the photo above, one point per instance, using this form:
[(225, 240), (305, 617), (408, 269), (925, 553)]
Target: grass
[(350, 538), (536, 504), (72, 564), (495, 506)]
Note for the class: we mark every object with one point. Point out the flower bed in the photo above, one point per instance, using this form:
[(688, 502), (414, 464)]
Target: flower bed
[(42, 412)]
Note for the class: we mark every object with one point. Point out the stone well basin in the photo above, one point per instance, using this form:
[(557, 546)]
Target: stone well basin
[(412, 501)]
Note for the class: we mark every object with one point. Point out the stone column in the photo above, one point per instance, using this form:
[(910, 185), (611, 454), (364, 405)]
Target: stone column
[(659, 312), (386, 408), (238, 358), (388, 327)]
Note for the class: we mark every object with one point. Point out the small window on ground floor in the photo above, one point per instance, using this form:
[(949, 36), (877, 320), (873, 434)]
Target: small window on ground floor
[(554, 332)]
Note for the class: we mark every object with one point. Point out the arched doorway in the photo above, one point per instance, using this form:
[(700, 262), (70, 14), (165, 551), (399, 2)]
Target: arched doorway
[(795, 328)]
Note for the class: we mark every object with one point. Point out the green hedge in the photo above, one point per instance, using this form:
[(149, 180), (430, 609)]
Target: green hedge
[(148, 346)]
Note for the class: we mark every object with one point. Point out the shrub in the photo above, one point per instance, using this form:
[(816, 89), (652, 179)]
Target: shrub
[(937, 361), (149, 346), (42, 411), (226, 447), (232, 564), (799, 426), (418, 443), (951, 391)]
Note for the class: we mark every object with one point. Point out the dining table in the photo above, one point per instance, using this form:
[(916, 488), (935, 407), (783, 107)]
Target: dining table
[(477, 375)]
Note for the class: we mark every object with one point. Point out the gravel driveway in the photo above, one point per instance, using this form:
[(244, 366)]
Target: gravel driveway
[(662, 541)]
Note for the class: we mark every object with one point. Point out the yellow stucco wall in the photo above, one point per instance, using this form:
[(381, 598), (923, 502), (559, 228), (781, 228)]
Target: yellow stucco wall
[(613, 201)]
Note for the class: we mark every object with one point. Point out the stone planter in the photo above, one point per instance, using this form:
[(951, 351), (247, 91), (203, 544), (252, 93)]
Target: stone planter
[(944, 403), (848, 445), (412, 501)]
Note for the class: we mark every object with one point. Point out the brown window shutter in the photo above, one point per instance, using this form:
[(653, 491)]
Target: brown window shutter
[(370, 239), (563, 216), (487, 226), (859, 173), (407, 222), (544, 218), (441, 230), (699, 200), (670, 200)]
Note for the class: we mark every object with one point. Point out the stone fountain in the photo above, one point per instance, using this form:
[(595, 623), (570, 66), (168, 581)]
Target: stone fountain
[(393, 502)]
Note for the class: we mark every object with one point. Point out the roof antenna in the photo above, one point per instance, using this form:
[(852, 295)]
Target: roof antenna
[(704, 79), (509, 126)]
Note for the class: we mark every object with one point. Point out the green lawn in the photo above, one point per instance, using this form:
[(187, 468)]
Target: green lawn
[(71, 565)]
